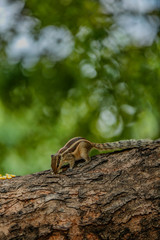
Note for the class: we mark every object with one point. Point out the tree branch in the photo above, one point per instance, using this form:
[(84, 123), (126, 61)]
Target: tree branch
[(115, 196)]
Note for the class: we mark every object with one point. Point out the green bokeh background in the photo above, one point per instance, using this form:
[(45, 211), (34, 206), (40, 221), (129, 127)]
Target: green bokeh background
[(106, 88)]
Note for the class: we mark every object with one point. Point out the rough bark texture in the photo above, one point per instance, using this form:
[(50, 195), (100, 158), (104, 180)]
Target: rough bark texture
[(115, 196)]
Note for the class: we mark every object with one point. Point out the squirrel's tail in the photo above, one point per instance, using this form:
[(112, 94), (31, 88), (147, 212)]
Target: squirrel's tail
[(124, 144)]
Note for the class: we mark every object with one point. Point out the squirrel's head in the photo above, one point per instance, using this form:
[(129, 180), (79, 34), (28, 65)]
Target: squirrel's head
[(55, 161)]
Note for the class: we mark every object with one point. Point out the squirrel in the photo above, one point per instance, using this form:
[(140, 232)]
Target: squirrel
[(78, 148)]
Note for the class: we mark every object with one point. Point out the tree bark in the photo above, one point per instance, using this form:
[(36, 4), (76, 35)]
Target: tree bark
[(115, 196)]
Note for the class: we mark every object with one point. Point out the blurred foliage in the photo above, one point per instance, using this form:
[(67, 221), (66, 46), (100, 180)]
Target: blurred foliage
[(75, 68)]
